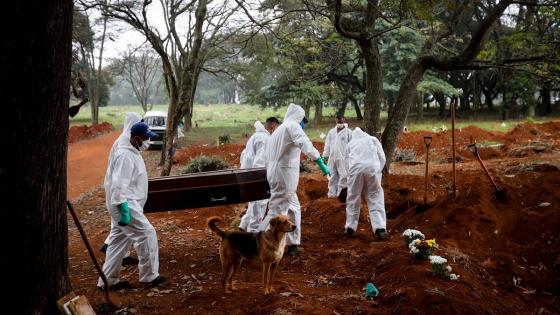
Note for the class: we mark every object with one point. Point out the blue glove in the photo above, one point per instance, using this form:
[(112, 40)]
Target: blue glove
[(124, 214), (322, 166)]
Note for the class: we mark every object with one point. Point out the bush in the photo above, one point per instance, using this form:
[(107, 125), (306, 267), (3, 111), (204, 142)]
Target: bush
[(404, 155), (206, 164), (224, 139)]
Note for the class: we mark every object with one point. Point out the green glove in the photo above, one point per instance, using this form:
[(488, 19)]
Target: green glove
[(124, 214), (322, 166)]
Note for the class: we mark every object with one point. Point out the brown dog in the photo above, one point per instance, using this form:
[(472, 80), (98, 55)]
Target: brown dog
[(268, 246)]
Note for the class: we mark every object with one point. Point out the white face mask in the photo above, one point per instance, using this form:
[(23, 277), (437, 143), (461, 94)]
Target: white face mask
[(339, 126), (145, 145)]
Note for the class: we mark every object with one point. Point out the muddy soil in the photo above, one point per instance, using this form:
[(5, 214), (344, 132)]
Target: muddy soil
[(507, 253)]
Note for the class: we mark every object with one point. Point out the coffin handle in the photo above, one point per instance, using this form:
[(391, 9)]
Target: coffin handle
[(223, 199)]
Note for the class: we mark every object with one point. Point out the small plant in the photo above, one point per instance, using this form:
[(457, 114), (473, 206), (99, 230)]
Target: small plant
[(224, 139), (440, 268), (411, 235), (422, 249), (204, 163), (404, 155)]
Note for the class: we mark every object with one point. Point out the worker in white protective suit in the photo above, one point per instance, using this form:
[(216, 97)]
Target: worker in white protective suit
[(282, 171), (366, 161), (126, 191), (336, 154), (253, 156), (124, 138)]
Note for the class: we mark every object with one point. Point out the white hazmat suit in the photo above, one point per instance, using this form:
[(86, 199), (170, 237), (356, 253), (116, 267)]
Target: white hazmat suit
[(251, 157), (124, 138), (127, 180), (366, 161), (283, 152), (336, 150)]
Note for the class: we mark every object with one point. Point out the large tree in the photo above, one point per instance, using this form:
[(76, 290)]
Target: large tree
[(35, 82), (182, 50)]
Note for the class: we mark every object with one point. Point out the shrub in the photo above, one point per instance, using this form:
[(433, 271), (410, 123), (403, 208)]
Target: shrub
[(206, 164), (224, 139), (404, 155)]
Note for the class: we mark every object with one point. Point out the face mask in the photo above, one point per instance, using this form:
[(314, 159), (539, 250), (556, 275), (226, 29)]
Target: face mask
[(302, 124), (340, 126), (145, 145)]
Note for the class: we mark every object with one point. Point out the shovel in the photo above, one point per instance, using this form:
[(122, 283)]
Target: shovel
[(90, 250), (499, 192), (73, 110), (425, 206)]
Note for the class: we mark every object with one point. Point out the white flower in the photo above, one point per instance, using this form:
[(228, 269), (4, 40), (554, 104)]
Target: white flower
[(322, 135), (413, 248), (454, 277), (438, 260), (412, 232), (449, 268)]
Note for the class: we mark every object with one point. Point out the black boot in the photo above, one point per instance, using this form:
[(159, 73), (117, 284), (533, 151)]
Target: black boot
[(381, 234)]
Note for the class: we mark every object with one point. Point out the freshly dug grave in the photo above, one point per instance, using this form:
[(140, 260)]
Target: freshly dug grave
[(489, 244), (77, 133), (523, 140)]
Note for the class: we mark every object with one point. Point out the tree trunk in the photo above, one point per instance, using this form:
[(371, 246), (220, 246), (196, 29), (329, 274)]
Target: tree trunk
[(545, 105), (35, 80), (420, 106), (342, 109), (307, 108), (318, 113), (440, 99), (95, 109), (356, 107), (395, 124), (374, 85), (488, 100), (186, 93)]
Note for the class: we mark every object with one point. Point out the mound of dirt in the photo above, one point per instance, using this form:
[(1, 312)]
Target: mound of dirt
[(77, 133), (442, 140), (229, 152)]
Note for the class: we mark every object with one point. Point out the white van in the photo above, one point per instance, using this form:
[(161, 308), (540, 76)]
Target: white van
[(157, 121)]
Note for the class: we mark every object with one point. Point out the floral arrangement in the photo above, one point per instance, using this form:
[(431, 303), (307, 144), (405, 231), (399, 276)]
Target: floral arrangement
[(422, 249), (440, 268), (410, 235)]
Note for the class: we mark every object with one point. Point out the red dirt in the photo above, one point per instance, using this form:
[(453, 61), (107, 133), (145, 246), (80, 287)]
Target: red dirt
[(230, 153), (77, 133), (509, 144), (487, 242), (87, 162)]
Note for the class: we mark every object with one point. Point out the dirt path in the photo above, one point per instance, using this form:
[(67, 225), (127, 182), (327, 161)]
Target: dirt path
[(87, 162)]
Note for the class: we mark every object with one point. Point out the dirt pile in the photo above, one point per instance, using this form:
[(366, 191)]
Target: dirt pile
[(523, 140), (230, 152), (77, 133)]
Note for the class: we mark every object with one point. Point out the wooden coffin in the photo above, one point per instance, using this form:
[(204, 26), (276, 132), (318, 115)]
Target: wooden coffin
[(206, 189)]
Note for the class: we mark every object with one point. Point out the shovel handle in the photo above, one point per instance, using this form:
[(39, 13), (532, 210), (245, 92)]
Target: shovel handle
[(90, 250)]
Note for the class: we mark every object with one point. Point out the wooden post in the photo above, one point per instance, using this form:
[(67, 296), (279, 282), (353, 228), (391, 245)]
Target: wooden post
[(453, 146)]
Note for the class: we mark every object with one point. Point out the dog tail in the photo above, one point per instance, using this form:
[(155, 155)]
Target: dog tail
[(212, 225)]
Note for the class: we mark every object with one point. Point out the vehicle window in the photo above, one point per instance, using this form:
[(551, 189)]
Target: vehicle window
[(155, 121)]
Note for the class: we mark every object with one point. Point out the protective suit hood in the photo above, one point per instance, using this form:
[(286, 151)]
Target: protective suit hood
[(359, 134), (259, 127), (294, 113)]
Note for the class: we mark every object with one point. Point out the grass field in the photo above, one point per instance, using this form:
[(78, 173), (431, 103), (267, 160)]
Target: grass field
[(237, 120)]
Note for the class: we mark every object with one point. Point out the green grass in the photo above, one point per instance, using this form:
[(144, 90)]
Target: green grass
[(237, 120)]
